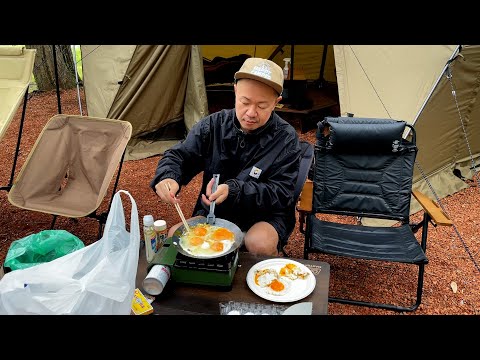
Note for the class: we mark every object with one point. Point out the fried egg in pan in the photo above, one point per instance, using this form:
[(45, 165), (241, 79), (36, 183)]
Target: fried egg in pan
[(207, 240)]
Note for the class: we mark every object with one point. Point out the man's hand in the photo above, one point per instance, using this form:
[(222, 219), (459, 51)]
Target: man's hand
[(219, 196), (167, 189)]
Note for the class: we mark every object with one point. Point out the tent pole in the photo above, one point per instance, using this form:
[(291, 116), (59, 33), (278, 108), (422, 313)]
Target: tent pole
[(436, 83), (56, 79), (74, 50), (276, 51), (292, 56), (322, 66)]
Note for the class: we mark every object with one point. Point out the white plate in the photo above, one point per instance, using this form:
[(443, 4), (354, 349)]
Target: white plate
[(300, 288)]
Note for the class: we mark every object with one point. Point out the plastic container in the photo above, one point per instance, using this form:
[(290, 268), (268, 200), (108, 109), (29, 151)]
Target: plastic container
[(150, 236), (243, 308), (160, 227), (156, 279)]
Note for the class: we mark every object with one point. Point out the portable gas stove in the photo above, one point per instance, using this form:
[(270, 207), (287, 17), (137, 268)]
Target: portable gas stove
[(184, 269)]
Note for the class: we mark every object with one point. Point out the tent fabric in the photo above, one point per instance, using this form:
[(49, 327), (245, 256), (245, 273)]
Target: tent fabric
[(104, 67), (307, 58), (388, 81), (160, 86), (16, 67), (440, 120), (71, 165)]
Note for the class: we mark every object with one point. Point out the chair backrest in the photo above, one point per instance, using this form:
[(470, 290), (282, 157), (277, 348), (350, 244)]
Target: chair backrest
[(363, 167), (71, 165), (305, 165), (306, 159)]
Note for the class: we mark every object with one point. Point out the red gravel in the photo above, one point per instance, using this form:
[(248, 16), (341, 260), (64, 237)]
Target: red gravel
[(449, 260)]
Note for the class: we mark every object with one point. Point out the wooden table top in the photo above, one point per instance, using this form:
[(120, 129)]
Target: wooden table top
[(190, 299)]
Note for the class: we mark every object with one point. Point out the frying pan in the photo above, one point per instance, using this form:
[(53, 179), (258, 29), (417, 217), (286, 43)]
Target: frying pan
[(218, 222)]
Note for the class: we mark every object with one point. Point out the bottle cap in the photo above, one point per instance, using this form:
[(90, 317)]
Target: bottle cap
[(160, 225), (148, 220)]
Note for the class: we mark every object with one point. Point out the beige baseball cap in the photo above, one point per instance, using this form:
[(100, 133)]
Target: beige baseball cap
[(262, 70)]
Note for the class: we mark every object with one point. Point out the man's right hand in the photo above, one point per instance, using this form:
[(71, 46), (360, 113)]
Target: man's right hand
[(167, 190)]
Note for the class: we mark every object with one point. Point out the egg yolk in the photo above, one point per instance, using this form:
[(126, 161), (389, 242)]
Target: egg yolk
[(195, 241), (222, 234), (287, 269), (217, 246), (277, 285), (200, 231)]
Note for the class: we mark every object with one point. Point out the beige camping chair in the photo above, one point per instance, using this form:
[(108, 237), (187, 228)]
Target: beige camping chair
[(70, 167), (16, 66)]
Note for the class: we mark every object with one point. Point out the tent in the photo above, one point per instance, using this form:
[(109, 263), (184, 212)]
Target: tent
[(313, 62), (159, 89), (413, 83)]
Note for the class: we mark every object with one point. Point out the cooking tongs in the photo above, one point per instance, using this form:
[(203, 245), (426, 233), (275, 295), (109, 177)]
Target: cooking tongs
[(211, 215)]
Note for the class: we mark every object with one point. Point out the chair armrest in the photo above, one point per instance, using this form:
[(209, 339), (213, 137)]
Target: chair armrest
[(432, 209), (305, 200)]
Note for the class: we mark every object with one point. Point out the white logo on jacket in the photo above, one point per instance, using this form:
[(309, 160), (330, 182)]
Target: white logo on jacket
[(255, 172)]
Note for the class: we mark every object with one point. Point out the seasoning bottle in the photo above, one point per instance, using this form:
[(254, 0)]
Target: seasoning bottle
[(161, 230), (286, 68), (156, 279), (150, 237)]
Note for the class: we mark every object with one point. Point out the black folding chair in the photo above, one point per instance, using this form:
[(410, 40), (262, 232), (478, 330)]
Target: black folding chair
[(364, 168), (304, 170)]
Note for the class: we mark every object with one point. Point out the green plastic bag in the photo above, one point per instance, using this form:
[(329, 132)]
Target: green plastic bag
[(45, 246)]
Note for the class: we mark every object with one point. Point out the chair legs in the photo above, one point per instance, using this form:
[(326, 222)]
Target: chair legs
[(389, 306), (17, 149), (100, 218), (420, 279)]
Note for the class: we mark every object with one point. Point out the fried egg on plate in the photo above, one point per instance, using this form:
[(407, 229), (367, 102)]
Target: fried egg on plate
[(278, 287), (292, 272), (264, 277), (270, 280)]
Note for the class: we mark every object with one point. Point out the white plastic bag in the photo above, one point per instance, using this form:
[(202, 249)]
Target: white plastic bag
[(98, 279)]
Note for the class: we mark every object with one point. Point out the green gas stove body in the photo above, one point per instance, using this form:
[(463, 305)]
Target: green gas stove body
[(212, 272)]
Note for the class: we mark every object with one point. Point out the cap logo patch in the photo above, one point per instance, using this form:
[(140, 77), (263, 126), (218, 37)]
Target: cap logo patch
[(263, 70)]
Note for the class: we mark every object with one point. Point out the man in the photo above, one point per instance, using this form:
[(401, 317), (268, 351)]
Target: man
[(255, 152)]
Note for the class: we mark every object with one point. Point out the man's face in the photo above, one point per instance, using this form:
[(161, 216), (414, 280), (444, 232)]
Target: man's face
[(254, 103)]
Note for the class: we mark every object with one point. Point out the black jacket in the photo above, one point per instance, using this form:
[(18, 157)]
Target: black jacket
[(217, 145)]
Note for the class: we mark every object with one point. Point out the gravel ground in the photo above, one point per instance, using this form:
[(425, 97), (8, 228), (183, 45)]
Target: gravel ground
[(451, 277)]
